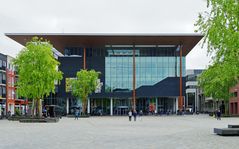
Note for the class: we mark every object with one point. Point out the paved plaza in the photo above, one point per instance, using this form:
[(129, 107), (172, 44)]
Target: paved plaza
[(168, 132)]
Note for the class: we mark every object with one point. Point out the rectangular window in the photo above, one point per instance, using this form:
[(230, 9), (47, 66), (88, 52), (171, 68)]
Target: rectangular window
[(0, 91), (0, 78), (0, 63), (4, 64), (4, 90), (4, 76), (235, 94)]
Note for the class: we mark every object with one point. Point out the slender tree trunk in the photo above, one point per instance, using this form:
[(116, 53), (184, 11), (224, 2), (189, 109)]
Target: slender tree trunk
[(36, 107), (84, 105), (39, 107), (83, 109), (33, 107)]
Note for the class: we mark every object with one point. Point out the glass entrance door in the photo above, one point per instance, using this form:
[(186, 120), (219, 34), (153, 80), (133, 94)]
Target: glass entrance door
[(121, 106)]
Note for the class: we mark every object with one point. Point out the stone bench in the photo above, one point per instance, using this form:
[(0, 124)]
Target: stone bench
[(227, 131), (233, 126)]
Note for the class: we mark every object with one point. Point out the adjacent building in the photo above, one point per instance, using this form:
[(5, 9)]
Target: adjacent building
[(9, 101), (234, 100), (140, 71), (3, 67), (195, 100)]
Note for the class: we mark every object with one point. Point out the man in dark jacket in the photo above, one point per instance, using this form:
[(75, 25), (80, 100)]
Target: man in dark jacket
[(218, 115)]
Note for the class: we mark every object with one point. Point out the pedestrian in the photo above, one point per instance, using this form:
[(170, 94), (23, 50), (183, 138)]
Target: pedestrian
[(218, 115), (155, 112), (135, 115), (77, 113), (9, 113), (140, 115), (130, 115), (215, 113), (44, 112)]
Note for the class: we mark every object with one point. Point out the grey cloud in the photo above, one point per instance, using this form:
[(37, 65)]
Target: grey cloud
[(100, 16)]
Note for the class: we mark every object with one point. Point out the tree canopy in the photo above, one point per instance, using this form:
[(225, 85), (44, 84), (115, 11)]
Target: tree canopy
[(220, 29), (84, 84), (37, 69), (220, 26)]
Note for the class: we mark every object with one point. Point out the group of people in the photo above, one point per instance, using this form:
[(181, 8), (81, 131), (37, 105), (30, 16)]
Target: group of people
[(134, 114)]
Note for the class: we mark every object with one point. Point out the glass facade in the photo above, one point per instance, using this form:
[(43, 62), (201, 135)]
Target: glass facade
[(150, 68)]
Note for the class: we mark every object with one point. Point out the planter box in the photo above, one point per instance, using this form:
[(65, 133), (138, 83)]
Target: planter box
[(227, 131), (233, 126), (39, 120), (17, 118)]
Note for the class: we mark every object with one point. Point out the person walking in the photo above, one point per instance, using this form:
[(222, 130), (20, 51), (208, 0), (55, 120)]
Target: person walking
[(218, 115), (44, 112), (130, 115), (135, 115), (77, 113), (140, 115)]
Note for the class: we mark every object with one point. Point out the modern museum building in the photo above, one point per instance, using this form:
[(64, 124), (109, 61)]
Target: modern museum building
[(143, 71)]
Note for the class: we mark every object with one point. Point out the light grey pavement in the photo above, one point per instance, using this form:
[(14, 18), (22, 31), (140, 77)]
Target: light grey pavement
[(164, 132)]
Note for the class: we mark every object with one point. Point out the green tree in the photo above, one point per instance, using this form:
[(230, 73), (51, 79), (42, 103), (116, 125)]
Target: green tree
[(37, 70), (84, 84), (220, 29), (214, 84)]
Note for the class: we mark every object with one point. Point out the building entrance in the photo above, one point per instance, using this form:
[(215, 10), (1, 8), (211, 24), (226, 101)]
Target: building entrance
[(100, 107), (167, 105), (121, 106)]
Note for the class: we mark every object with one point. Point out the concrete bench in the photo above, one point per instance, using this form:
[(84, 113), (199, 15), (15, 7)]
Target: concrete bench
[(233, 126), (227, 131)]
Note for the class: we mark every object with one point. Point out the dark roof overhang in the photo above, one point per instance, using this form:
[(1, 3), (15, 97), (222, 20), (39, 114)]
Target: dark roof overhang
[(62, 40)]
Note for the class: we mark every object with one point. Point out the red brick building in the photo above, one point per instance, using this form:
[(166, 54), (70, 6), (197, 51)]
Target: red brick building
[(234, 101), (12, 100)]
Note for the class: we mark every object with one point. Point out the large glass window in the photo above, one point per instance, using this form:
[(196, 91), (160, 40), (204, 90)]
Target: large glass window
[(149, 69)]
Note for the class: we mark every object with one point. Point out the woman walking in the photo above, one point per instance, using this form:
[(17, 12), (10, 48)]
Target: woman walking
[(130, 115)]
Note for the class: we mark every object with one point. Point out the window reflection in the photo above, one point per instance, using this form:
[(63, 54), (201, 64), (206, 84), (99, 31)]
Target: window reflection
[(149, 69)]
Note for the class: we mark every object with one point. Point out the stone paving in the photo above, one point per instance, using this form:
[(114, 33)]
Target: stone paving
[(168, 132)]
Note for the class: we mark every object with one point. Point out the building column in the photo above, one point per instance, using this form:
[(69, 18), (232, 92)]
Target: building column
[(195, 96), (156, 104), (232, 108), (134, 82), (67, 105), (237, 104), (236, 110), (111, 106), (186, 100), (84, 59), (88, 106), (176, 104), (180, 102)]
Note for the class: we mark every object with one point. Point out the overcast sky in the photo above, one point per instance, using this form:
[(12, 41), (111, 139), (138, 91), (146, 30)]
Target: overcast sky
[(101, 16)]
